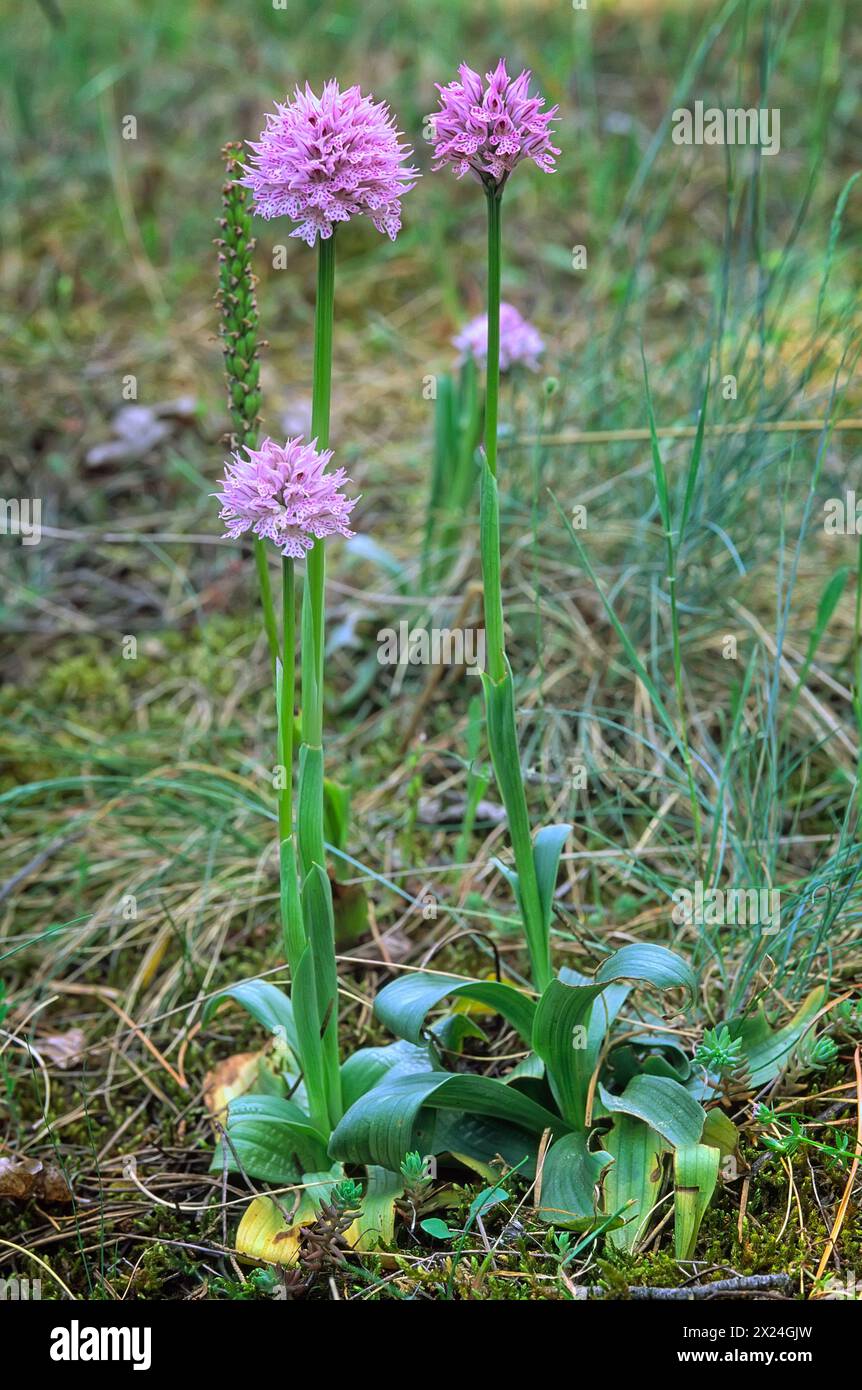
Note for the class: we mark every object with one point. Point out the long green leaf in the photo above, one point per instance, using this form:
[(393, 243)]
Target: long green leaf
[(308, 1031), (370, 1065), (506, 760), (635, 1178), (767, 1050), (547, 848), (571, 1177), (645, 964), (404, 1004), (561, 1038), (695, 1170), (380, 1126), (476, 1140), (265, 1002), (661, 1103), (269, 1138), (320, 931), (605, 1009), (694, 461)]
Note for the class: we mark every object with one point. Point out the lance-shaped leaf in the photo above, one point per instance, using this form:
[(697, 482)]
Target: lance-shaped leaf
[(695, 1172), (305, 1003), (269, 1138), (265, 1002), (767, 1050), (380, 1126), (573, 1019), (720, 1132), (505, 757), (634, 1180), (375, 1225), (404, 1004), (661, 1103), (571, 1178), (560, 1038), (604, 1012), (547, 848), (370, 1065), (320, 931), (475, 1140), (653, 965)]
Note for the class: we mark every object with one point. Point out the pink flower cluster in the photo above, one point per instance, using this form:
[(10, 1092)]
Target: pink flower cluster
[(283, 494), (490, 129), (322, 160), (520, 342)]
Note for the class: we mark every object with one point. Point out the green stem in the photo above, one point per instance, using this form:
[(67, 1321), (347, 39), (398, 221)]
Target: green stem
[(291, 910), (310, 826), (316, 890), (492, 386), (497, 681), (490, 509), (288, 627)]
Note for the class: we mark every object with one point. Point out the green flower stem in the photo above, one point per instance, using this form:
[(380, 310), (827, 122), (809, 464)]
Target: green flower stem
[(319, 972), (494, 196), (490, 507), (497, 680), (310, 826), (285, 684)]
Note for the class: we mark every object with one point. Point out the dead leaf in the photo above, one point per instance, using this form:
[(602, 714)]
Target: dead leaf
[(229, 1079), (22, 1178), (63, 1049), (450, 811), (265, 1233)]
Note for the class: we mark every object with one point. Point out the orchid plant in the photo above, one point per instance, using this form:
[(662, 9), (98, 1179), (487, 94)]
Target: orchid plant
[(487, 129), (556, 1093), (320, 161), (588, 1120)]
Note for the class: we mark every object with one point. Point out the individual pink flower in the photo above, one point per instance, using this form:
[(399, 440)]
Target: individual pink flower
[(325, 159), (520, 342), (282, 493), (490, 129)]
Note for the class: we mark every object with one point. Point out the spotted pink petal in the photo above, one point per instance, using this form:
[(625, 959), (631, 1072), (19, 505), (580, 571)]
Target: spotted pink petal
[(282, 493), (490, 128), (322, 160)]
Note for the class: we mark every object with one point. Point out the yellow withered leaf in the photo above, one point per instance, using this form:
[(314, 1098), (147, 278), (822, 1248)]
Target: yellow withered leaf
[(265, 1233), (229, 1079)]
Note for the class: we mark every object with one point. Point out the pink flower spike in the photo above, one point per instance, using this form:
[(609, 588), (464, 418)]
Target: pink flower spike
[(322, 160), (283, 494), (490, 129), (520, 342)]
